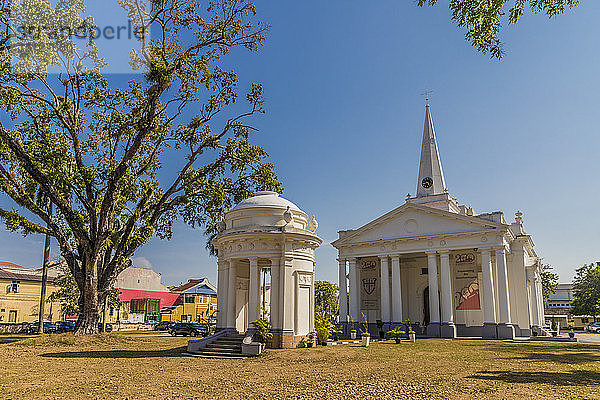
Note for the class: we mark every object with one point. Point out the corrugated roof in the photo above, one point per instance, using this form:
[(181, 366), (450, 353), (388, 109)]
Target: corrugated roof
[(22, 277), (196, 286), (10, 264), (166, 298)]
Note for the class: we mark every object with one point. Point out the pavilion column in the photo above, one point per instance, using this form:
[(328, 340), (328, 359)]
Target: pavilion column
[(433, 329), (222, 293), (489, 296), (534, 312), (448, 329), (343, 293), (505, 328), (354, 306), (253, 291), (385, 290), (396, 291), (275, 282), (231, 295), (540, 299)]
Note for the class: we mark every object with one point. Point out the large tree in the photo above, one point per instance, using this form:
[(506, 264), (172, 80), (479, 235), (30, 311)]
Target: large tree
[(95, 149), (483, 19), (586, 287)]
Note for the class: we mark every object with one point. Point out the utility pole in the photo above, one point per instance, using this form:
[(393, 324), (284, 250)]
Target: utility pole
[(44, 276)]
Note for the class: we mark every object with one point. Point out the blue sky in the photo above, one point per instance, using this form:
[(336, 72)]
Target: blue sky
[(344, 121)]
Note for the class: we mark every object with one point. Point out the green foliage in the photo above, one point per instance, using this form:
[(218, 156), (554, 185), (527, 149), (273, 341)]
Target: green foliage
[(96, 150), (326, 300), (549, 281), (409, 326), (263, 330), (484, 19), (364, 326), (586, 285), (323, 327), (397, 333), (67, 293)]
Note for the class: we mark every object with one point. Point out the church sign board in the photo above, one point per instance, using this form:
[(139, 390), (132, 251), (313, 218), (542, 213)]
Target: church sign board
[(369, 285), (466, 283)]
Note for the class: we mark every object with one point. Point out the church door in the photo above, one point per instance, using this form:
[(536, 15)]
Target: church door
[(426, 306)]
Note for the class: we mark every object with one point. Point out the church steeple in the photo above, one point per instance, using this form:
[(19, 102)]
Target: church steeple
[(431, 177)]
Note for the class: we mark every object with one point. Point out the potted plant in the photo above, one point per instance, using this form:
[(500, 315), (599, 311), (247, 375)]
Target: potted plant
[(337, 331), (571, 333), (352, 331), (364, 334), (380, 327), (310, 339), (554, 327), (412, 336), (396, 333)]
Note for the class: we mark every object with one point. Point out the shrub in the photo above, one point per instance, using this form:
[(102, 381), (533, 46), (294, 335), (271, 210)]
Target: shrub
[(263, 330)]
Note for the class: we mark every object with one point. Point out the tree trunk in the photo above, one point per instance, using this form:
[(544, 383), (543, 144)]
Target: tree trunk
[(89, 301)]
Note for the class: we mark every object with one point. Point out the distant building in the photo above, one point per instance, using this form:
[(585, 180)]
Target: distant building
[(140, 278), (20, 290), (197, 302), (560, 301)]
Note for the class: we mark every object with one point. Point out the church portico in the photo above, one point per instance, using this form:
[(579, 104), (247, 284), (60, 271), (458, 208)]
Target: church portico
[(439, 264)]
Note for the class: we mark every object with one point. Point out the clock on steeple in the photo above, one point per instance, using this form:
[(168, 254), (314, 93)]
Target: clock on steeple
[(427, 182)]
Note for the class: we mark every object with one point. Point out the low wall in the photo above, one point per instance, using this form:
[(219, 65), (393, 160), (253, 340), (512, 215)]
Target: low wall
[(13, 327)]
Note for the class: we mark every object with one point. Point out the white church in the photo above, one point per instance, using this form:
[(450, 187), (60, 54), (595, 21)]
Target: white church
[(449, 270)]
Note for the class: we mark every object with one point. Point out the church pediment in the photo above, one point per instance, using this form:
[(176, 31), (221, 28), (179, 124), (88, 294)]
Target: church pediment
[(411, 220)]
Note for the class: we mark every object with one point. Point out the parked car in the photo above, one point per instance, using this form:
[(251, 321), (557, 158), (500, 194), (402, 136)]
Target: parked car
[(64, 326), (164, 325), (593, 327), (48, 327), (109, 327), (188, 329)]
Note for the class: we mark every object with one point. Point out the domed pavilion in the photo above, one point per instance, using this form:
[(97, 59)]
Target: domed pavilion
[(267, 232)]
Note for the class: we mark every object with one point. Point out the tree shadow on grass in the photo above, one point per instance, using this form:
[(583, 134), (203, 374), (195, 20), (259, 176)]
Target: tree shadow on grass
[(580, 378), (557, 353), (175, 352)]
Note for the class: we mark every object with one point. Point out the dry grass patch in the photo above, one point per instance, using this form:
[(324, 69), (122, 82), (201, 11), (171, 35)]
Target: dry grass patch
[(121, 367)]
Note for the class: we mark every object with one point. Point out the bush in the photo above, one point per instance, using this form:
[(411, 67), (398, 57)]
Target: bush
[(263, 330), (323, 326)]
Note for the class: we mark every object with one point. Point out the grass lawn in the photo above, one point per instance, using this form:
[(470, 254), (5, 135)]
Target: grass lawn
[(117, 366)]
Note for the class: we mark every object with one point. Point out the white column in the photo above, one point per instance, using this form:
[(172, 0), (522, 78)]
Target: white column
[(433, 329), (222, 286), (275, 270), (231, 295), (396, 290), (489, 296), (353, 273), (448, 329), (540, 299), (505, 328), (343, 296), (385, 290), (253, 291), (534, 312)]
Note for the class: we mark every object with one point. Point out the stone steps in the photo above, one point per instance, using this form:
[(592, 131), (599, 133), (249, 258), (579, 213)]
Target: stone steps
[(223, 347)]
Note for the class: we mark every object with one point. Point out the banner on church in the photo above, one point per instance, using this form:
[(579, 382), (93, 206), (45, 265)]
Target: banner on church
[(369, 282), (466, 282)]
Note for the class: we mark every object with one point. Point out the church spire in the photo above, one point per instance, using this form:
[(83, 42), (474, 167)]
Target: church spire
[(431, 177)]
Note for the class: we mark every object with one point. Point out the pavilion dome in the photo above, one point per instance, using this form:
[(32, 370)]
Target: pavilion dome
[(266, 209), (266, 199)]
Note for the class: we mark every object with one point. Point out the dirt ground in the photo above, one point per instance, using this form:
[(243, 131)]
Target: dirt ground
[(117, 366)]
